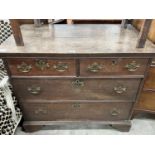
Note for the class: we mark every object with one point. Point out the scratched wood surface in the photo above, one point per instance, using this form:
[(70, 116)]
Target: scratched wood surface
[(86, 38)]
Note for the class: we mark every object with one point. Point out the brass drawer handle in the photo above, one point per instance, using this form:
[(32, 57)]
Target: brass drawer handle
[(24, 68), (95, 67), (34, 90), (133, 66), (153, 63), (120, 89), (78, 83), (76, 105), (60, 67), (115, 112), (41, 64)]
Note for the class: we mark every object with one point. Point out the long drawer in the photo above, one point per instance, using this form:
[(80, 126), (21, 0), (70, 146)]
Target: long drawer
[(76, 89), (42, 111), (41, 67), (112, 66)]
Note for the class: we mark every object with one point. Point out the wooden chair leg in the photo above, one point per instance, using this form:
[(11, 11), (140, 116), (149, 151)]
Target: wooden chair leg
[(17, 32), (143, 33)]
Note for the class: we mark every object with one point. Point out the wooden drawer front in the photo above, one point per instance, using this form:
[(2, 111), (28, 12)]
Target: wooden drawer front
[(41, 67), (147, 101), (150, 80), (75, 111), (76, 89), (116, 66)]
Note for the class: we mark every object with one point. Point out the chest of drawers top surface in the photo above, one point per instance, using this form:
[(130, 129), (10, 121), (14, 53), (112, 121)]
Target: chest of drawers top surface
[(76, 39)]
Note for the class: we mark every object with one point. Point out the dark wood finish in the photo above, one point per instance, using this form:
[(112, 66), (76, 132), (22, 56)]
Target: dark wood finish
[(143, 33), (75, 89), (113, 66), (17, 32), (96, 90), (76, 125), (31, 128), (78, 55), (96, 21), (78, 21), (122, 127), (101, 76), (76, 111), (47, 70)]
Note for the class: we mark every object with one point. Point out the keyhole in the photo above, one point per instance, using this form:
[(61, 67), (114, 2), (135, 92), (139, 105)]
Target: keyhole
[(114, 62)]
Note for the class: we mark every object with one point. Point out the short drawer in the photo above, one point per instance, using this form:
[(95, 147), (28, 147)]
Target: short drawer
[(76, 89), (75, 111), (147, 101), (112, 66), (41, 67)]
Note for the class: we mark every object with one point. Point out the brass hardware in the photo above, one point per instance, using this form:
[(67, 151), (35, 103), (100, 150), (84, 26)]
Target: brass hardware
[(76, 105), (41, 64), (60, 67), (95, 67), (120, 89), (133, 66), (78, 83), (24, 68), (34, 90), (115, 112), (153, 62)]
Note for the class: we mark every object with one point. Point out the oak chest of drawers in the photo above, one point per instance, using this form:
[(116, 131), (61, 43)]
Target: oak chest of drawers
[(77, 89), (71, 75)]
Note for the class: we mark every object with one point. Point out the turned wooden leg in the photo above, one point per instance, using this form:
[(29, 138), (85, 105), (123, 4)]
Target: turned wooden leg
[(31, 128), (122, 127)]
